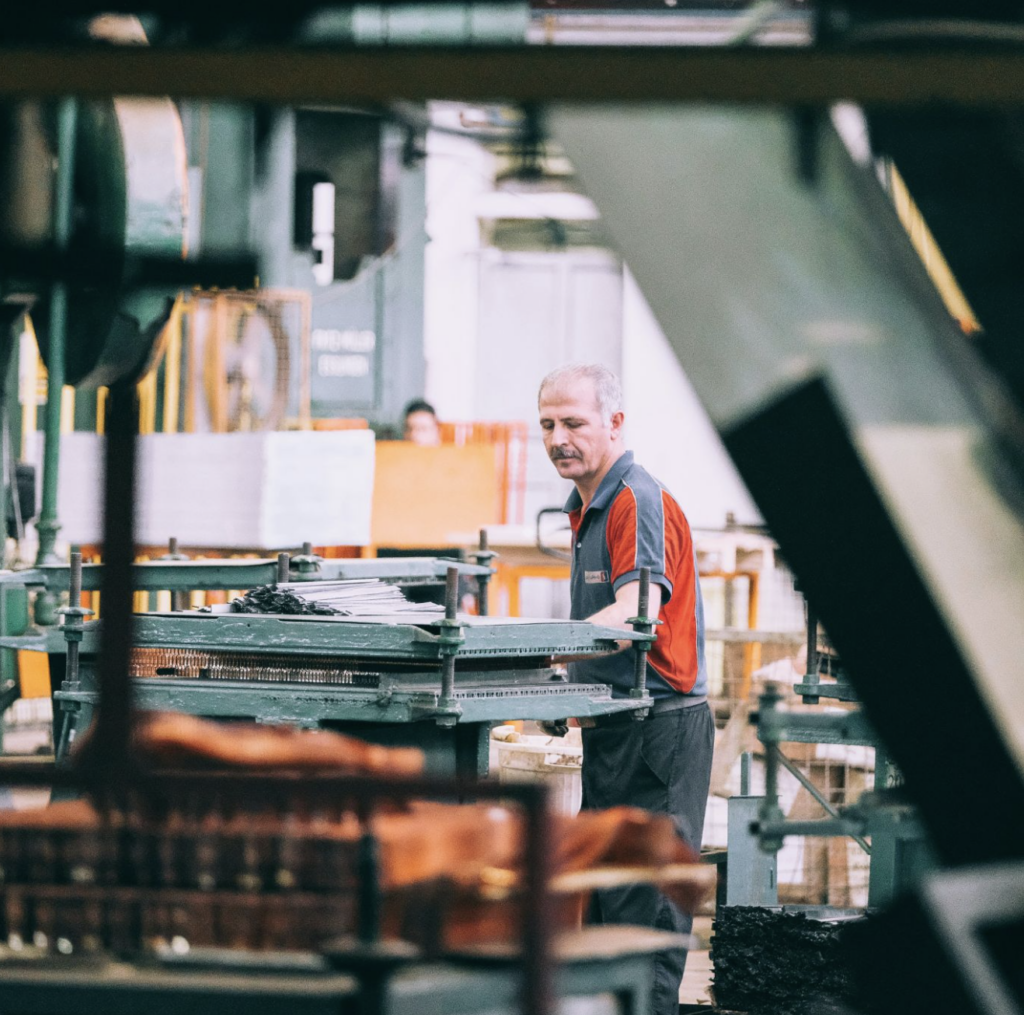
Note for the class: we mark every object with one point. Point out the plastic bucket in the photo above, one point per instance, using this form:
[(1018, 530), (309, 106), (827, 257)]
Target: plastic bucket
[(555, 761)]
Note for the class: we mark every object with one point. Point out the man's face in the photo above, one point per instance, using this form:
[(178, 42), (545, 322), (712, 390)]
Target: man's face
[(577, 439), (421, 428)]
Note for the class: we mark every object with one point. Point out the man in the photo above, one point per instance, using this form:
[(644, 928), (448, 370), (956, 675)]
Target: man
[(420, 425), (623, 520)]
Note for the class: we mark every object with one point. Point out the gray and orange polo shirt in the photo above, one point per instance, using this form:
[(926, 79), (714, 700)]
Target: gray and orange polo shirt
[(634, 522)]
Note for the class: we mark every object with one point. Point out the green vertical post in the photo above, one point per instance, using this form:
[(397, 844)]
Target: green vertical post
[(48, 526), (10, 421), (13, 601)]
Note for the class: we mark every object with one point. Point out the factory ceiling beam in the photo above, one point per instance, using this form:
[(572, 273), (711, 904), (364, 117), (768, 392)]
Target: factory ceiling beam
[(282, 74)]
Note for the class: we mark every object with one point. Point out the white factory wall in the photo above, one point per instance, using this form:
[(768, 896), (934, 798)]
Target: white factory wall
[(497, 321), (668, 427), (459, 171)]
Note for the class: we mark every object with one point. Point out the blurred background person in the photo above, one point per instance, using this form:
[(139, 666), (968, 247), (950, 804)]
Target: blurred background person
[(421, 426)]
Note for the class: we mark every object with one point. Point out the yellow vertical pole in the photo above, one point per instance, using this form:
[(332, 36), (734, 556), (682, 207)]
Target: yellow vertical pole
[(147, 403), (101, 410), (172, 369), (191, 374), (216, 381), (67, 409), (29, 373), (751, 652)]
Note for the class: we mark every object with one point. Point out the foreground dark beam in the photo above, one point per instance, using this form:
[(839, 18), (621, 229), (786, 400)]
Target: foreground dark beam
[(528, 73)]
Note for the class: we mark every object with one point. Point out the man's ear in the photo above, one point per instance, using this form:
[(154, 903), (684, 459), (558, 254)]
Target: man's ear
[(616, 424)]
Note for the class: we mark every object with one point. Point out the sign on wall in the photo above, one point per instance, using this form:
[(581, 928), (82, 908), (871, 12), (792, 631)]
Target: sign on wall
[(345, 351)]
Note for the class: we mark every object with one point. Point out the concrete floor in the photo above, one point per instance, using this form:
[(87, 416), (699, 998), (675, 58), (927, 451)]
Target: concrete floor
[(695, 988)]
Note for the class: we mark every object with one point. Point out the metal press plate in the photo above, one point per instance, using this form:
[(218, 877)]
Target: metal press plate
[(376, 638), (156, 575), (289, 703), (387, 638)]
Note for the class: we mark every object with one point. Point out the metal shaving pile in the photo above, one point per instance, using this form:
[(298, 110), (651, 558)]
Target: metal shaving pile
[(270, 599), (788, 960)]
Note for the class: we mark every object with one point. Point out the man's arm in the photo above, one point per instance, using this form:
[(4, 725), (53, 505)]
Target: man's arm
[(626, 605)]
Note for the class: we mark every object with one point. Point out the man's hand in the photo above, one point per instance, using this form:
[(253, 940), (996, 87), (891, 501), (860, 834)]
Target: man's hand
[(554, 727)]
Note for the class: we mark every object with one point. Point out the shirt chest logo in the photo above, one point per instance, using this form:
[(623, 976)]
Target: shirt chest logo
[(595, 577)]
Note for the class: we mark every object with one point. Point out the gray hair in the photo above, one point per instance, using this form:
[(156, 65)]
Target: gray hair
[(606, 385)]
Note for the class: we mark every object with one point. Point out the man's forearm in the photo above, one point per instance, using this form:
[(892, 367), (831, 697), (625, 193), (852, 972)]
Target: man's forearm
[(615, 615), (626, 605)]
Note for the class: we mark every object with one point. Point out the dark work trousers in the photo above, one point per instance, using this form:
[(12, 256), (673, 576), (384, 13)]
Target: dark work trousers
[(662, 764)]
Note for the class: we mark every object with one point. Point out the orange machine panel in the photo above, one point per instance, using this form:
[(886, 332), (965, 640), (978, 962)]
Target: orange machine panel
[(426, 496), (34, 674)]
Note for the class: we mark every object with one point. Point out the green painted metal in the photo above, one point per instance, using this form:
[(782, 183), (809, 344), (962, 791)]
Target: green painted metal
[(502, 672), (816, 793), (776, 727), (383, 302), (502, 667), (47, 525), (392, 641), (900, 853), (312, 706), (211, 983), (174, 575), (386, 638), (47, 640), (838, 690), (130, 178), (395, 641), (222, 146), (426, 24), (14, 621), (899, 850), (10, 413), (751, 874), (123, 161)]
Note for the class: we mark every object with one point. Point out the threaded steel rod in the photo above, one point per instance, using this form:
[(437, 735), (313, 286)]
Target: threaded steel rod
[(483, 606), (643, 605)]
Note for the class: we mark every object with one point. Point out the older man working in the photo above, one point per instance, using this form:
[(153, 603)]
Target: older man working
[(622, 520)]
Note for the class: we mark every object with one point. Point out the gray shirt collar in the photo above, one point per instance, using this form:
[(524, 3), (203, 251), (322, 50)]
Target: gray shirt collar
[(606, 488)]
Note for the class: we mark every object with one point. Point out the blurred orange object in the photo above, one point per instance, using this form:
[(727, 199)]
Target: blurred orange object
[(509, 440), (176, 740), (426, 496), (340, 424)]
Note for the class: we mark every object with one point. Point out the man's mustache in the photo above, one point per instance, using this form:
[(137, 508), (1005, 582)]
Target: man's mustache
[(560, 453)]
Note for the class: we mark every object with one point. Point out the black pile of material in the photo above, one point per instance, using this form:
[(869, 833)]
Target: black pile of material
[(270, 599), (780, 962)]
